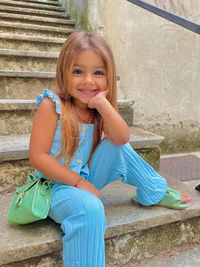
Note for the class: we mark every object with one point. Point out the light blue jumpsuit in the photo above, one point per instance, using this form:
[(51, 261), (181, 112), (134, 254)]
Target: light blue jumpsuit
[(80, 213)]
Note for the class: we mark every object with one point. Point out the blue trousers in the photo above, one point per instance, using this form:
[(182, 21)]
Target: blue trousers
[(81, 214)]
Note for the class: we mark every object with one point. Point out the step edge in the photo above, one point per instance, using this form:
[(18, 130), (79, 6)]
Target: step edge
[(7, 104), (27, 53), (32, 74), (31, 5), (36, 27), (44, 2), (168, 217), (38, 38), (36, 18), (33, 11), (16, 152), (23, 74)]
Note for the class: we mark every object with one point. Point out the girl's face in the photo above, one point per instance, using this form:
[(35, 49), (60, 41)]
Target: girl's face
[(88, 77)]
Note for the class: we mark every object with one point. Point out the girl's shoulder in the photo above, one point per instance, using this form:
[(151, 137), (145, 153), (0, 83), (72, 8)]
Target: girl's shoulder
[(49, 94)]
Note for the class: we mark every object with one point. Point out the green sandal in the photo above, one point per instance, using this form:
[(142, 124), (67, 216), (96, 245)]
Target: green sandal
[(170, 200)]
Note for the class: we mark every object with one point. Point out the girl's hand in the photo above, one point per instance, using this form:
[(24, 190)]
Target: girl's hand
[(85, 185), (93, 103)]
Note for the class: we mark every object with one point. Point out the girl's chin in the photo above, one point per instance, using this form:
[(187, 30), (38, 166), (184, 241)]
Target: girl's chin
[(83, 102)]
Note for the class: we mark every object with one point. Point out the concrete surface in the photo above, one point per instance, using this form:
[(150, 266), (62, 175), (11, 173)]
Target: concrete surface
[(125, 222)]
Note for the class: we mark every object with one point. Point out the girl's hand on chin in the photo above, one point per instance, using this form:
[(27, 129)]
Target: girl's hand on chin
[(93, 103)]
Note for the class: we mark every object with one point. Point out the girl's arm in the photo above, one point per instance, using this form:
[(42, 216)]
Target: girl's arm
[(43, 130), (115, 127)]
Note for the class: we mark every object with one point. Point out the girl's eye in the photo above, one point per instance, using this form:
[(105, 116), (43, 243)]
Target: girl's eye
[(77, 72), (98, 72)]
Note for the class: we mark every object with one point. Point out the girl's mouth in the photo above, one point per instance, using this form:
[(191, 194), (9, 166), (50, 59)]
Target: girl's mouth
[(88, 92)]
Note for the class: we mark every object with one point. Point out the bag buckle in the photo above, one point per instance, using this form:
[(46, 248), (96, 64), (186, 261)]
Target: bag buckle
[(46, 182), (45, 186), (19, 202)]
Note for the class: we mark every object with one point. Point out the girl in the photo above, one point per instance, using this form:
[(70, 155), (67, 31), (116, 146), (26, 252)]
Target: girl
[(79, 141)]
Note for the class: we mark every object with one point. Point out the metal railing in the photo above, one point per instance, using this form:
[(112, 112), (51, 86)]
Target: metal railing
[(179, 20)]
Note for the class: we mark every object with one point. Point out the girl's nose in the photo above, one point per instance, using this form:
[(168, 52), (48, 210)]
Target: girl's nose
[(89, 78)]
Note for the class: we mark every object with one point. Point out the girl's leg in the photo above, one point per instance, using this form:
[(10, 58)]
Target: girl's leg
[(82, 219), (111, 162)]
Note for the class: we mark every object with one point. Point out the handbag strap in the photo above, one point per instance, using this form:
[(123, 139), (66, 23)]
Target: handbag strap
[(33, 180), (27, 186)]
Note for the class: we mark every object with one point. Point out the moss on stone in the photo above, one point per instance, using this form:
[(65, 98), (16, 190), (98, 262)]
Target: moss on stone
[(150, 155), (132, 247), (79, 15), (178, 142)]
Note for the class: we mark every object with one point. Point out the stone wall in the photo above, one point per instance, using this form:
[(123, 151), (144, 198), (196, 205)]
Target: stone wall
[(158, 63), (78, 11)]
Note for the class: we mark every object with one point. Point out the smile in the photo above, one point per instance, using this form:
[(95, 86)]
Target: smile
[(88, 92)]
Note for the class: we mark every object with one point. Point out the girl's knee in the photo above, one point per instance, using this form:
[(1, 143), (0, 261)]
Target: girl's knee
[(93, 212), (92, 217), (88, 216)]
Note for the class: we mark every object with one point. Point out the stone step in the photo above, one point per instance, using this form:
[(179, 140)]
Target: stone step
[(31, 5), (24, 29), (24, 84), (16, 115), (43, 2), (14, 154), (133, 232), (33, 43), (187, 256), (19, 60), (33, 12), (36, 20)]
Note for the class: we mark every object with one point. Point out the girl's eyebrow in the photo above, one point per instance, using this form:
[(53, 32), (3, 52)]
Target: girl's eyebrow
[(83, 66)]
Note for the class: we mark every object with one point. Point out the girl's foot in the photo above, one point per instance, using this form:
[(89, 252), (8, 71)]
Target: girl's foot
[(185, 198), (170, 200)]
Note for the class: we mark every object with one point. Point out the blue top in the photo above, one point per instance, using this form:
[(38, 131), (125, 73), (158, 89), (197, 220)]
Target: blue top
[(79, 162)]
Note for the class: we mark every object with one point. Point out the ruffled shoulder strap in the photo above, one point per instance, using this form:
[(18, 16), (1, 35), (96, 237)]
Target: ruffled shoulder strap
[(53, 96)]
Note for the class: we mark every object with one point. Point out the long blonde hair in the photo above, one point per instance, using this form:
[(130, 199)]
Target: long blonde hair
[(75, 43)]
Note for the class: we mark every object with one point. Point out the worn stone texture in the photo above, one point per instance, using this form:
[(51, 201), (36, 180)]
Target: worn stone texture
[(36, 19), (22, 88), (24, 44), (34, 12), (17, 104), (22, 63), (50, 260), (127, 114), (132, 231), (19, 28), (31, 5), (14, 174), (184, 139), (25, 53), (17, 122), (151, 156), (148, 243), (189, 256)]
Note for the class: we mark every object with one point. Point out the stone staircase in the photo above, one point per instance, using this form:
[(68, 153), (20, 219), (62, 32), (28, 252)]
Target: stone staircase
[(31, 35)]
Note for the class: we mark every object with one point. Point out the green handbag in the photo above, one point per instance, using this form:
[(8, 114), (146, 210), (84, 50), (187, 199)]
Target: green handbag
[(31, 202)]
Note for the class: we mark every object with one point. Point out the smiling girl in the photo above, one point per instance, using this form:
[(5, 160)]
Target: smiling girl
[(80, 142)]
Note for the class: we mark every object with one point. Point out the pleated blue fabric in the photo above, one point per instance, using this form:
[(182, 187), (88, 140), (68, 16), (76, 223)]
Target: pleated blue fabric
[(80, 213)]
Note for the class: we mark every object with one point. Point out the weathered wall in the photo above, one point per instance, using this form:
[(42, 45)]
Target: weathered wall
[(78, 11), (158, 63)]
